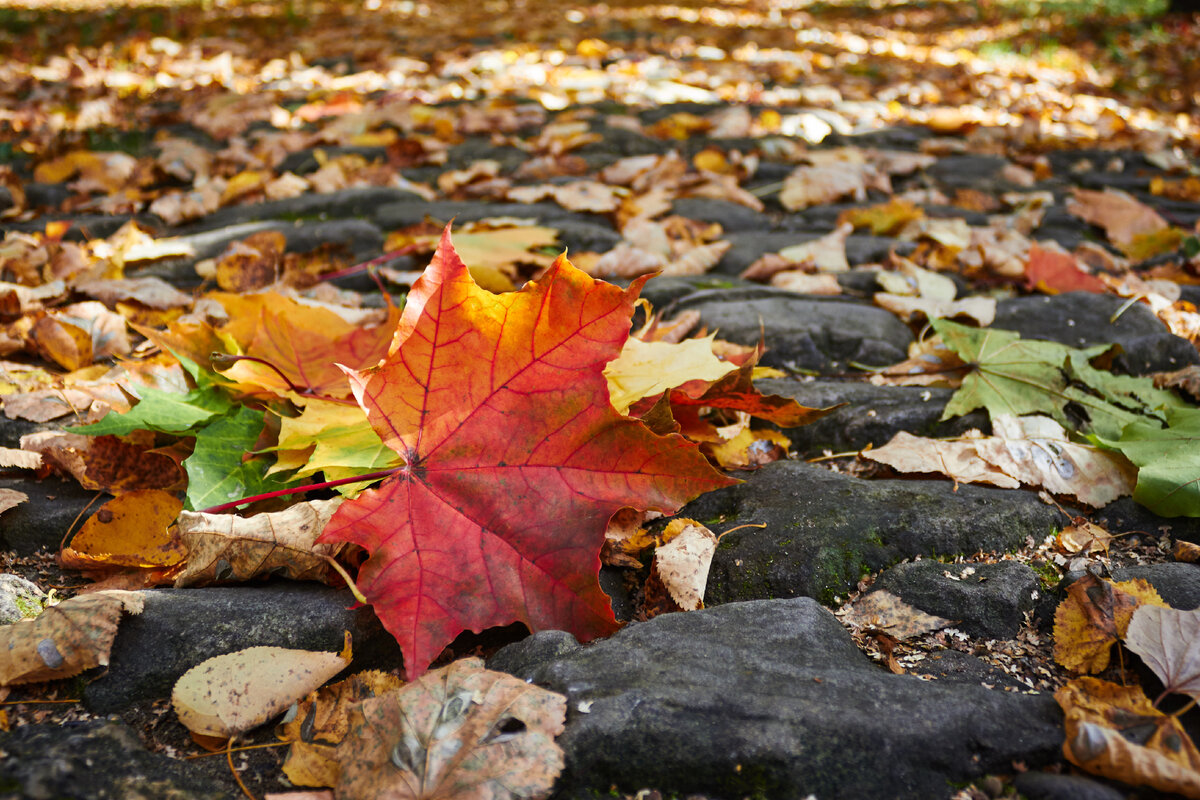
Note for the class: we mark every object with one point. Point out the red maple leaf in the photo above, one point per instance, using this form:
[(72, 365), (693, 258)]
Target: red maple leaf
[(1053, 271), (514, 459)]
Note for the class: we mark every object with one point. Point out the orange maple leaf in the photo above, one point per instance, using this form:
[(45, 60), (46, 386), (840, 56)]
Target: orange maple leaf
[(514, 458)]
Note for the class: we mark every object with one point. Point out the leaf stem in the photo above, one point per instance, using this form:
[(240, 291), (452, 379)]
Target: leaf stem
[(228, 359), (374, 262), (308, 487)]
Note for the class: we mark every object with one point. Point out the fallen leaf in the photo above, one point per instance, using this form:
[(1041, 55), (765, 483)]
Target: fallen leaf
[(682, 563), (229, 694), (955, 459), (1083, 537), (491, 396), (226, 547), (65, 639), (1122, 217), (107, 463), (749, 449), (647, 369), (1168, 641), (128, 532), (321, 721), (1115, 732), (1168, 479), (881, 610), (1052, 270), (1094, 616), (11, 498), (459, 732)]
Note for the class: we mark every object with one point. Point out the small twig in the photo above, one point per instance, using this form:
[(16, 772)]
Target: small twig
[(36, 702), (308, 487), (237, 749), (229, 759), (71, 527)]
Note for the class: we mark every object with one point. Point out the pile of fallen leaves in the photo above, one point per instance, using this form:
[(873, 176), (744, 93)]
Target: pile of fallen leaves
[(475, 456)]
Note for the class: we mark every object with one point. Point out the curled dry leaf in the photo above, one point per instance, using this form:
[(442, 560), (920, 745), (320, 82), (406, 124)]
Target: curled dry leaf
[(11, 498), (682, 563), (1084, 537), (226, 547), (65, 639), (957, 459), (1114, 731), (320, 722), (1094, 616), (1122, 217), (459, 732), (883, 611), (232, 693), (1168, 641)]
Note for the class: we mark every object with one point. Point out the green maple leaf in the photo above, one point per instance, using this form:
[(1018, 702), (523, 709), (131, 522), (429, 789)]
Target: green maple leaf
[(217, 469), (167, 412), (1168, 461), (1018, 376)]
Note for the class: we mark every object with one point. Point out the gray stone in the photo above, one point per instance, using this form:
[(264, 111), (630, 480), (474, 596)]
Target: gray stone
[(730, 216), (531, 652), (665, 290), (179, 628), (580, 237), (19, 599), (1083, 319), (94, 760), (871, 414), (41, 522), (970, 172), (357, 238), (801, 332), (411, 212), (746, 248), (772, 699), (1060, 226), (1126, 516), (302, 162), (825, 530), (986, 600), (1049, 786), (358, 202)]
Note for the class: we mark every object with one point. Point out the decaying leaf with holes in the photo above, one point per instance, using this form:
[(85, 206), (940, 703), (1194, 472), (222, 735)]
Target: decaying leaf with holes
[(226, 547), (232, 693), (881, 611), (1114, 731), (321, 721), (1168, 641), (1094, 616), (458, 732), (65, 639)]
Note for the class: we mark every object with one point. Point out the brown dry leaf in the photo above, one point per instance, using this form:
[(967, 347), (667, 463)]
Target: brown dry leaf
[(232, 693), (458, 732), (107, 463), (227, 547), (1187, 552), (1186, 380), (1094, 616), (65, 639), (1115, 732), (803, 283), (1036, 451), (60, 341), (1122, 217), (320, 723), (982, 310), (957, 459), (149, 291), (1169, 642), (129, 531), (682, 563), (252, 263), (11, 498), (1083, 537), (12, 458), (697, 260), (881, 610), (588, 196), (814, 185), (824, 254), (929, 363), (625, 539), (884, 219)]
